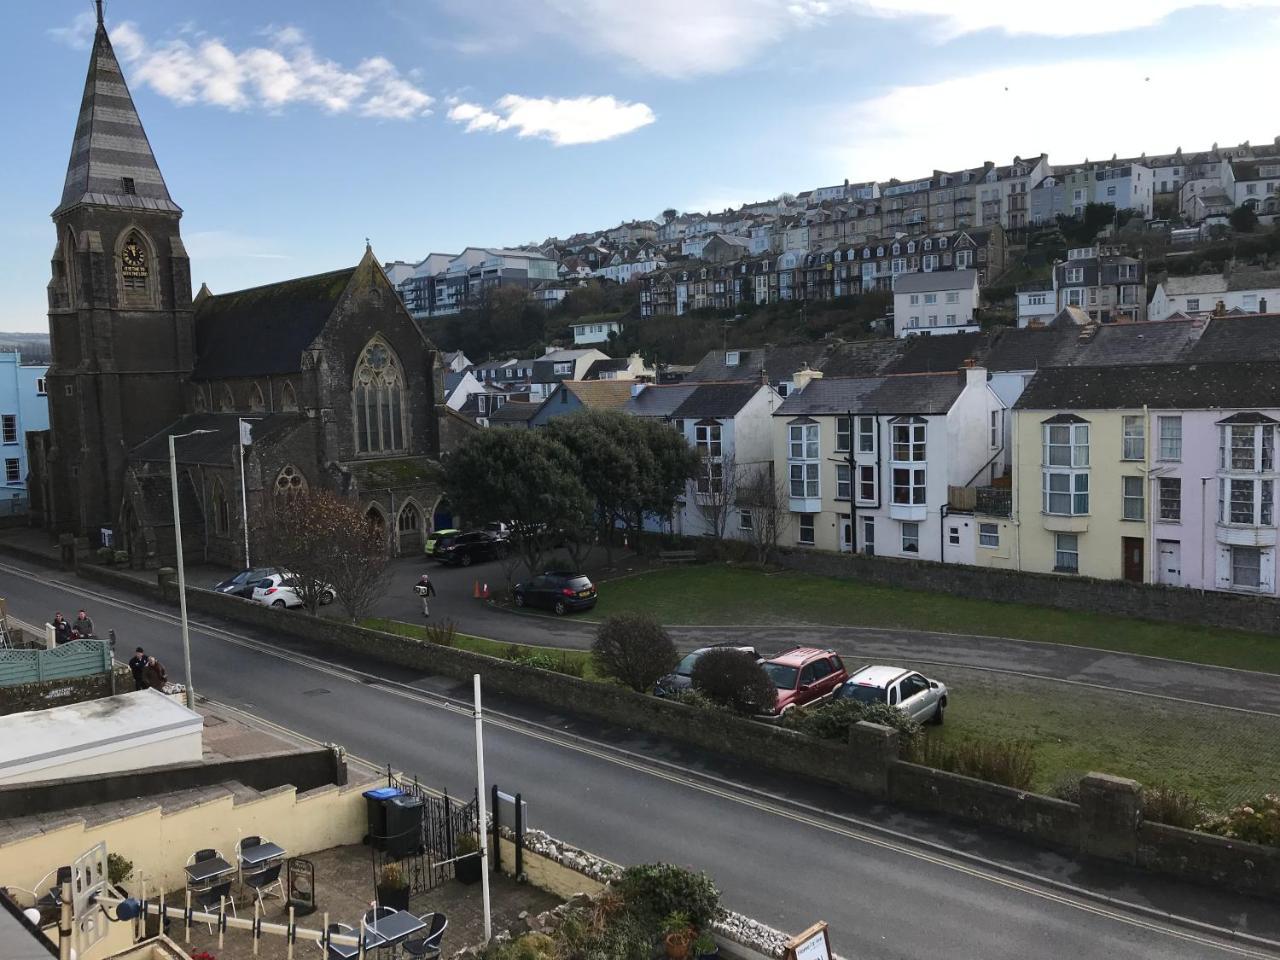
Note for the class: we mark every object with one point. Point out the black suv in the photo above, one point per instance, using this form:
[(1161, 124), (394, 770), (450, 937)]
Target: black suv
[(465, 549), (558, 591)]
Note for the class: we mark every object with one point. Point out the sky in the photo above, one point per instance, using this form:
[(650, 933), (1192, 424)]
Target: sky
[(291, 130)]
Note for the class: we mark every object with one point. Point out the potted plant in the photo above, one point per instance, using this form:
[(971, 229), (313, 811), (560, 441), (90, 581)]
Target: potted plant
[(705, 947), (119, 869), (393, 888), (467, 868), (677, 934)]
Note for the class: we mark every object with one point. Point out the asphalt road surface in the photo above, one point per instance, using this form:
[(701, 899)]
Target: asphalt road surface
[(892, 886)]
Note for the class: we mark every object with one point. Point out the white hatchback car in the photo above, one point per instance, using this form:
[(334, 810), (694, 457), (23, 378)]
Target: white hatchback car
[(922, 699), (278, 590)]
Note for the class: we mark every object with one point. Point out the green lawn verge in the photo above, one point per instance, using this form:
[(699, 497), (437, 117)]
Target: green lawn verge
[(1221, 757), (490, 648), (722, 594)]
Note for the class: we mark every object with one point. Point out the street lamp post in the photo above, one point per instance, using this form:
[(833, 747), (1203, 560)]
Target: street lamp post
[(182, 576)]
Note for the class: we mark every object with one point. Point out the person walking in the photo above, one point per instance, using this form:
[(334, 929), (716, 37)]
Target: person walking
[(83, 625), (154, 674), (426, 590), (138, 665), (61, 629)]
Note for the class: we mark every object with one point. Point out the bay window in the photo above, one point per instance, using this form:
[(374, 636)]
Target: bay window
[(1065, 455), (908, 440), (803, 453), (908, 486), (1246, 446), (1246, 502)]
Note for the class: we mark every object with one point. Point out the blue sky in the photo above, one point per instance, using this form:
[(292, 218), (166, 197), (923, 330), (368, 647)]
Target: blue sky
[(291, 130)]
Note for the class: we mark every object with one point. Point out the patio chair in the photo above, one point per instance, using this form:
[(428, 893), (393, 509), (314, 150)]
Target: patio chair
[(263, 880), (208, 853), (428, 947), (377, 913), (214, 899), (330, 951)]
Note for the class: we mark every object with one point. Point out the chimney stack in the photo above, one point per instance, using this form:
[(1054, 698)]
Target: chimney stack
[(804, 376)]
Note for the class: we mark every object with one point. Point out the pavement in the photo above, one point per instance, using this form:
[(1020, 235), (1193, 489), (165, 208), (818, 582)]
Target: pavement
[(892, 885)]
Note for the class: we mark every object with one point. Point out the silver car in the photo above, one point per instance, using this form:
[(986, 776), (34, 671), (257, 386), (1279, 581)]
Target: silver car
[(922, 699)]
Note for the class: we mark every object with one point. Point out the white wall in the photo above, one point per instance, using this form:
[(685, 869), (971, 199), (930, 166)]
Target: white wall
[(904, 311), (1163, 305)]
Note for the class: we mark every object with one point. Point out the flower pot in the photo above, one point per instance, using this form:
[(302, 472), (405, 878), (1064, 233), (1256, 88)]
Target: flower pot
[(397, 898), (677, 945), (712, 954), (467, 869)]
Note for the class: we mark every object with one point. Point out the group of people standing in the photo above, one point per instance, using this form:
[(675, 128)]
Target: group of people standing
[(148, 672), (65, 631)]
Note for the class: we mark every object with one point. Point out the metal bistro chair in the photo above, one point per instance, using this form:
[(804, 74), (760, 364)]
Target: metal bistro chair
[(214, 899), (333, 952), (371, 917), (428, 947), (200, 856), (261, 878)]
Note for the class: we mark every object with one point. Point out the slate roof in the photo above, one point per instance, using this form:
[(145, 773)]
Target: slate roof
[(659, 400), (264, 330), (1192, 386), (939, 354), (517, 412), (1251, 336), (717, 400), (934, 281), (865, 358), (599, 394), (1201, 283), (778, 362), (924, 393), (1031, 348), (216, 447), (604, 366), (110, 143)]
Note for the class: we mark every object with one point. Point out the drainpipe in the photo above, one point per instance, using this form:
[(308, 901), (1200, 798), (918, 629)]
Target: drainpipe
[(942, 531), (1014, 490), (853, 486), (1150, 483)]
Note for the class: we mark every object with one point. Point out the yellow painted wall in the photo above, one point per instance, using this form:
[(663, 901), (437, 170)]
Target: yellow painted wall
[(548, 875), (1002, 557), (1100, 533), (826, 525), (160, 845)]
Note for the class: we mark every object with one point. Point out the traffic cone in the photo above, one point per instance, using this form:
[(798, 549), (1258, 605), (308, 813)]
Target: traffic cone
[(475, 590)]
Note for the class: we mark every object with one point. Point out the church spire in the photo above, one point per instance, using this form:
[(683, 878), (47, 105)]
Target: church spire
[(111, 160)]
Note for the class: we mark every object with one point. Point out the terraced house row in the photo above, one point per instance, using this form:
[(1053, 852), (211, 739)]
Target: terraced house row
[(1138, 451)]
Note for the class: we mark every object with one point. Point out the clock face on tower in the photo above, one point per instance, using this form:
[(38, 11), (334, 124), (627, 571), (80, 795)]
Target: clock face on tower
[(133, 260)]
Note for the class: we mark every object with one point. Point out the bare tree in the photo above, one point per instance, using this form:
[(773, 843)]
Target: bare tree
[(764, 499), (329, 549), (716, 493)]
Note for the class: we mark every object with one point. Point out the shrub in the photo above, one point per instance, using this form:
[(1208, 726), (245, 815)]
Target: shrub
[(698, 700), (733, 679), (119, 869), (531, 946), (563, 663), (653, 891), (832, 721), (1067, 787), (1008, 762), (1256, 822), (1162, 803), (442, 634), (105, 555), (633, 649)]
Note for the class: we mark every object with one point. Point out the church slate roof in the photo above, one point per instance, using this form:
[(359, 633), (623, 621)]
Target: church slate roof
[(1160, 386), (264, 330), (217, 447), (111, 161)]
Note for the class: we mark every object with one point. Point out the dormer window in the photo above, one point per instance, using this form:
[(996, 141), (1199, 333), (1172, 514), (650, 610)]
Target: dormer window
[(732, 358), (126, 184), (896, 249), (928, 244), (911, 247), (942, 243)]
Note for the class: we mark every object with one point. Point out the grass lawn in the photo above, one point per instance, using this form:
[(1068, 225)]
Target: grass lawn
[(490, 648), (1220, 757), (720, 594)]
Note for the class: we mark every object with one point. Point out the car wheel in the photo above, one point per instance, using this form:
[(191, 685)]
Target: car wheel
[(466, 559), (519, 599), (936, 719), (559, 608), (326, 597), (280, 604)]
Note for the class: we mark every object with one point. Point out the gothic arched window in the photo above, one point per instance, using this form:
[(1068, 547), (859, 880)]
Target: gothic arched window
[(256, 403), (288, 399), (221, 513), (378, 401), (290, 483), (226, 402), (135, 263)]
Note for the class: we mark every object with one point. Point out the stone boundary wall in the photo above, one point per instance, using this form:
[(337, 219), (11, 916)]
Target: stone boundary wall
[(1231, 611), (1106, 825), (44, 694)]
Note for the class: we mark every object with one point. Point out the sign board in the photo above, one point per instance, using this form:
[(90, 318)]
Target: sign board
[(813, 944), (88, 882), (108, 536)]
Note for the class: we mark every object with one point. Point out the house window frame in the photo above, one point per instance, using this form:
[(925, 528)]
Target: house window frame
[(909, 534), (1061, 553), (1170, 445), (12, 470), (1239, 552), (1133, 444), (989, 536), (1133, 505), (804, 449), (806, 529), (9, 428), (1169, 499)]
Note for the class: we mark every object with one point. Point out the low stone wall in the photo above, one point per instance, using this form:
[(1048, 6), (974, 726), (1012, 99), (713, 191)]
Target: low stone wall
[(1118, 597), (1247, 867), (44, 694)]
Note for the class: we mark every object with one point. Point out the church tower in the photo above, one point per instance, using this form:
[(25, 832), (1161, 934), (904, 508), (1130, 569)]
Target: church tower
[(119, 305)]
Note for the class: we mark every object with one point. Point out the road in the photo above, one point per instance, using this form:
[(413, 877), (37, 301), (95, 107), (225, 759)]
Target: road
[(892, 885), (1179, 680)]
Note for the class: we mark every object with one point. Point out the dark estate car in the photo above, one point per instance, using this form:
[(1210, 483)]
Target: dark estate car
[(558, 591), (682, 677), (242, 584), (465, 549)]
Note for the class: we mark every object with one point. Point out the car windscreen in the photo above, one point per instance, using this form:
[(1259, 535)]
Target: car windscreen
[(863, 693), (579, 583), (783, 677), (685, 666)]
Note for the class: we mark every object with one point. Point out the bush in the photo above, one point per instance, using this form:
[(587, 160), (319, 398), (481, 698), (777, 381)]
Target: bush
[(441, 634), (733, 679), (697, 700), (654, 891), (832, 721), (1008, 762), (1067, 787), (105, 555), (1162, 803), (1256, 822), (119, 869), (531, 946), (573, 667), (633, 649)]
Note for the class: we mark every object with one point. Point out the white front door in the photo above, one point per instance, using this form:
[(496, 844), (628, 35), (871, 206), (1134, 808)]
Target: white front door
[(1169, 571), (846, 535)]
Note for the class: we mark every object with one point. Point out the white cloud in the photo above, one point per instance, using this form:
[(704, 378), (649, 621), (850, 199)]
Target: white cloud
[(563, 121), (78, 34), (676, 38), (1018, 111), (286, 71)]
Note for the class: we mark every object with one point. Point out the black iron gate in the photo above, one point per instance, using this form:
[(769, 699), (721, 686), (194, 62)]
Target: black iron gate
[(444, 821)]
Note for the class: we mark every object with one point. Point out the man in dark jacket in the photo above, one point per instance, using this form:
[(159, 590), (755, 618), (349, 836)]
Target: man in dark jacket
[(83, 625), (137, 664), (61, 629), (154, 675)]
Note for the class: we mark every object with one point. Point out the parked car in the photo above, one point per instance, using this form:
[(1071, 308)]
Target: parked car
[(242, 584), (682, 677), (279, 590), (558, 591), (915, 694), (499, 529), (435, 536), (465, 549), (804, 676)]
